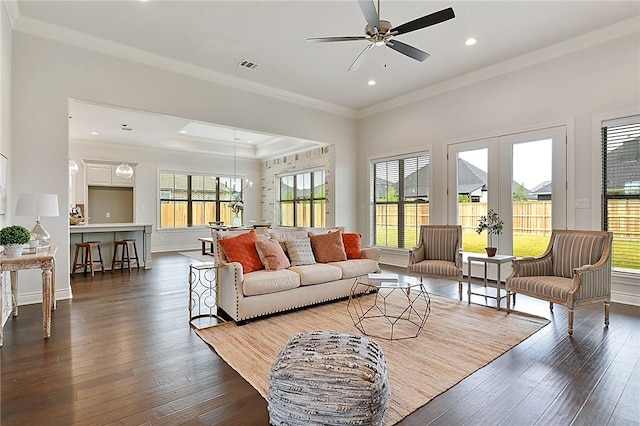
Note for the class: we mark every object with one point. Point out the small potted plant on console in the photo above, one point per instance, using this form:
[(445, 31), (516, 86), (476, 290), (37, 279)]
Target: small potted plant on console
[(493, 225), (13, 238)]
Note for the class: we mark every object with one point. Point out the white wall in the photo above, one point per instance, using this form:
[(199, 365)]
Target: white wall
[(46, 74), (570, 89), (5, 135)]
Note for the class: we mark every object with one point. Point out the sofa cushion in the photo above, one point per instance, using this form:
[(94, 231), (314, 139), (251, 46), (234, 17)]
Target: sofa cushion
[(300, 252), (263, 282), (318, 273), (328, 247), (352, 245), (356, 267), (242, 249), (272, 255)]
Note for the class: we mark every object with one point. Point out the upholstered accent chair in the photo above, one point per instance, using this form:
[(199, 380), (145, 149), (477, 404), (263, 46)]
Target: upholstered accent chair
[(574, 270), (438, 254)]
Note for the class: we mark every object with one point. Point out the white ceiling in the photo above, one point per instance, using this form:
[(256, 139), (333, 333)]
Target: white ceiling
[(217, 35), (95, 123)]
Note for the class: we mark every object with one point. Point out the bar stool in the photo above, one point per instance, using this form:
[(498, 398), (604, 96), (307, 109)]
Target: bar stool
[(125, 256), (88, 261)]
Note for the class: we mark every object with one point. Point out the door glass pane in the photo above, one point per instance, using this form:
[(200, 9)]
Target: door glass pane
[(531, 188), (473, 193)]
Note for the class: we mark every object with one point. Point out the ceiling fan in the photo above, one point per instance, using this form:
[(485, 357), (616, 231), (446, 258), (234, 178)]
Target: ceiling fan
[(379, 32)]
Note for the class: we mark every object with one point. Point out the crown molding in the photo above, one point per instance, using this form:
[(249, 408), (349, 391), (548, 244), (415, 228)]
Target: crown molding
[(63, 35), (583, 41), (12, 10)]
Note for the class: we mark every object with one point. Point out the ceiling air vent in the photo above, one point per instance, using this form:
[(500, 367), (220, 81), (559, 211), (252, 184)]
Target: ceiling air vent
[(248, 64)]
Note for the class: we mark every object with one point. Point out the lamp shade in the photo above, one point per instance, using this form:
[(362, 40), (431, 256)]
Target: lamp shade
[(37, 205)]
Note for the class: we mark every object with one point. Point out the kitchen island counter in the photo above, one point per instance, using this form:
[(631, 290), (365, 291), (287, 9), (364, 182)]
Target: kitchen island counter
[(107, 233)]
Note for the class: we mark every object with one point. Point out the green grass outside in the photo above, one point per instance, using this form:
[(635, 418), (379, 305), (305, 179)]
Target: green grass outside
[(532, 245)]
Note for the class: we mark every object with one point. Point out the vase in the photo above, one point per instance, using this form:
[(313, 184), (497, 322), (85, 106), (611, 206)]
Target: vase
[(13, 250), (237, 221)]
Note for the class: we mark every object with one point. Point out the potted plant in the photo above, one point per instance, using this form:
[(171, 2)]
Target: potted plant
[(493, 225), (13, 239)]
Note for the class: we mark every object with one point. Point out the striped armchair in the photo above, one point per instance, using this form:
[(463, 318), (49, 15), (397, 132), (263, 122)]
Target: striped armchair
[(574, 270), (439, 254)]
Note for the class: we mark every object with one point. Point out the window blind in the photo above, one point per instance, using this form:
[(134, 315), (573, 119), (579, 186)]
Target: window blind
[(621, 189)]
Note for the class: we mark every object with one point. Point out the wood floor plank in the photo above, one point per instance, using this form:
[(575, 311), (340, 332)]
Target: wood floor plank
[(122, 353)]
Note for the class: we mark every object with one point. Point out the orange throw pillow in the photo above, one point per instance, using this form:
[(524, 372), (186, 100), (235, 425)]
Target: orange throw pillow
[(242, 249), (328, 247), (352, 245)]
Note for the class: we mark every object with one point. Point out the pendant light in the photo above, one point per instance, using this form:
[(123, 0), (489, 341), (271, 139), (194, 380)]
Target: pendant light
[(124, 170)]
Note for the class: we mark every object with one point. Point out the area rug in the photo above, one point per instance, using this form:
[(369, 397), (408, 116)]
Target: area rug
[(457, 340)]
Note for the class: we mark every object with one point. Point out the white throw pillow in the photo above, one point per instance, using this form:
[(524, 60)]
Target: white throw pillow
[(300, 252)]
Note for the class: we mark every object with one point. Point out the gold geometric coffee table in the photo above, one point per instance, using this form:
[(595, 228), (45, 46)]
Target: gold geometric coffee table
[(389, 309)]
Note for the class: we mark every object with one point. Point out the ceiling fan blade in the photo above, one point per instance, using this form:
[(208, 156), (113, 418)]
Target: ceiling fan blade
[(405, 49), (361, 57), (425, 21), (370, 13), (332, 39)]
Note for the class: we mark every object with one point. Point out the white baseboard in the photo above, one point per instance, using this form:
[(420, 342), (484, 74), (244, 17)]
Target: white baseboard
[(36, 296)]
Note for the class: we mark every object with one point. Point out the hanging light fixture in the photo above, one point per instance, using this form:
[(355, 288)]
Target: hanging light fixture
[(124, 170)]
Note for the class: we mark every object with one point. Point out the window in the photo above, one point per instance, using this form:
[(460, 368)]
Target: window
[(188, 200), (302, 199), (400, 201), (621, 190)]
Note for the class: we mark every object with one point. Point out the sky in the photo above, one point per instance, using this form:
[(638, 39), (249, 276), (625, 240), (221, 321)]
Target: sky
[(531, 161)]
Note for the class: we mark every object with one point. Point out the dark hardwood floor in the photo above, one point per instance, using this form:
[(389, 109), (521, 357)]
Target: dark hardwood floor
[(122, 352)]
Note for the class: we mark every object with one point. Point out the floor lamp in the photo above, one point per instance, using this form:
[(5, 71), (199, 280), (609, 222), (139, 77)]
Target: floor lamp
[(38, 205)]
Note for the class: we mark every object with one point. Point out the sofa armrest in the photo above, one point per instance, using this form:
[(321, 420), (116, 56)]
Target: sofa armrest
[(230, 291), (372, 253)]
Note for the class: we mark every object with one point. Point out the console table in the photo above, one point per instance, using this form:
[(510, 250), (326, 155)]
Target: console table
[(44, 260), (498, 260)]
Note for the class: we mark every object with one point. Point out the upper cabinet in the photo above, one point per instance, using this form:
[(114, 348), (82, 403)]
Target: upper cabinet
[(105, 175)]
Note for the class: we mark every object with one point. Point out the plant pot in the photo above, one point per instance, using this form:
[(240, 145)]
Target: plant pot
[(491, 251), (13, 250)]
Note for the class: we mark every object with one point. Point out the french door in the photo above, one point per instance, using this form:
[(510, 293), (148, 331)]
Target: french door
[(520, 176)]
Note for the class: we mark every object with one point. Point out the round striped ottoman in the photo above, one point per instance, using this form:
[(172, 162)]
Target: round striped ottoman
[(327, 377)]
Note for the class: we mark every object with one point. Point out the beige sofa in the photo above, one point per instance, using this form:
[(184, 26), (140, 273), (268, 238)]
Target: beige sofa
[(245, 296)]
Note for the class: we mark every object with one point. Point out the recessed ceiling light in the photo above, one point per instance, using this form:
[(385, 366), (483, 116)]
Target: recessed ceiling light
[(371, 82), (470, 41), (183, 131), (95, 133)]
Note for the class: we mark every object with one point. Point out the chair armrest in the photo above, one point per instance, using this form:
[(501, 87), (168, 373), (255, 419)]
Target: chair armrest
[(459, 259), (592, 281), (372, 253), (416, 254), (532, 266)]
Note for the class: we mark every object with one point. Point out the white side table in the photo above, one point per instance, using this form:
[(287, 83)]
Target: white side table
[(485, 291)]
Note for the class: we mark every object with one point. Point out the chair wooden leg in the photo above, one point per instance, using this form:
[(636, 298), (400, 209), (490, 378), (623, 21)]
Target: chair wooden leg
[(551, 306), (101, 261), (90, 260), (509, 301), (460, 290), (75, 262), (606, 313), (570, 321)]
